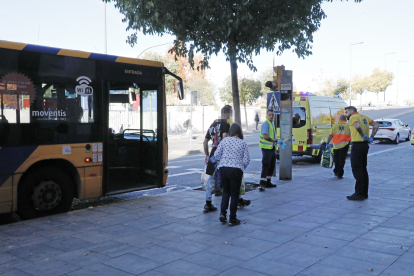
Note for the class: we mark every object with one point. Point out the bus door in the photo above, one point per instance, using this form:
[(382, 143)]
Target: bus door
[(132, 143)]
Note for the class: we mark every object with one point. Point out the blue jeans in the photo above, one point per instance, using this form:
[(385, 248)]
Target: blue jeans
[(210, 186)]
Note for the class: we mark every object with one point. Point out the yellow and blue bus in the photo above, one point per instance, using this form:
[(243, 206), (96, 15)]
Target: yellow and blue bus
[(78, 125)]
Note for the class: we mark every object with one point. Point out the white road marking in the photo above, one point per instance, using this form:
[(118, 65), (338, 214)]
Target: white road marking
[(195, 169), (255, 159), (174, 167), (381, 151)]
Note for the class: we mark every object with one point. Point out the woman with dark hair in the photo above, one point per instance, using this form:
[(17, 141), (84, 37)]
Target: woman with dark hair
[(233, 154)]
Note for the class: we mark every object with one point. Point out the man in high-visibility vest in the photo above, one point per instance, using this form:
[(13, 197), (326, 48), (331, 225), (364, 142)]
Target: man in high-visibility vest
[(341, 136), (267, 144), (359, 125)]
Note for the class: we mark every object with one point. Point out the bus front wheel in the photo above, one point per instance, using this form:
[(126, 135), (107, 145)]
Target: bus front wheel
[(43, 192)]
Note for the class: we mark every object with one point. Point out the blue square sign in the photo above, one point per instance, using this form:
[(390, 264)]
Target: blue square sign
[(273, 102)]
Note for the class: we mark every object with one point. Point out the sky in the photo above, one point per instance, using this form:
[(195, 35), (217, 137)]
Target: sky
[(384, 26)]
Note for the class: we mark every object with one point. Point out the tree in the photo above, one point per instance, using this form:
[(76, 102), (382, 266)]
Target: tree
[(239, 28), (379, 81), (359, 85), (334, 87), (194, 80), (250, 90)]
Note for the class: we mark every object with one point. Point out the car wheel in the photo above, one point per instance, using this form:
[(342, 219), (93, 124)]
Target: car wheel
[(409, 136), (43, 192), (397, 139)]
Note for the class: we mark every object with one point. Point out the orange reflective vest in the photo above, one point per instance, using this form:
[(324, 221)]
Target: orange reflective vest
[(341, 134)]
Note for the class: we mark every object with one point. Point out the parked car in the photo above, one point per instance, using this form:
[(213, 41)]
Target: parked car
[(392, 130)]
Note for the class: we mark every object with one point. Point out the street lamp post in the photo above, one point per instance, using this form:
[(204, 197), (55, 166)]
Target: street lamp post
[(398, 75), (385, 63), (350, 71), (153, 47), (105, 43)]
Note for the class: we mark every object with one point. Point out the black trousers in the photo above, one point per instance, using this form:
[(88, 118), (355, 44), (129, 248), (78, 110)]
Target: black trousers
[(339, 159), (268, 163), (257, 123), (359, 156), (231, 179)]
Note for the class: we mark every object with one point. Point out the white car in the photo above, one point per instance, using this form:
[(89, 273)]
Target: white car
[(392, 130)]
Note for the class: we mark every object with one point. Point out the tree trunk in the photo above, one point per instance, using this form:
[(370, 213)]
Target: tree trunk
[(245, 113), (377, 101), (360, 100), (235, 89)]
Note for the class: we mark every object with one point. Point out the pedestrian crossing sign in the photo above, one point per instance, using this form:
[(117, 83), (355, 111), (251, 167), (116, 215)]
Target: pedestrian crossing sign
[(273, 101)]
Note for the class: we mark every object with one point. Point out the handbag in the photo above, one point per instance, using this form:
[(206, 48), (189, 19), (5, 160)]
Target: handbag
[(327, 159)]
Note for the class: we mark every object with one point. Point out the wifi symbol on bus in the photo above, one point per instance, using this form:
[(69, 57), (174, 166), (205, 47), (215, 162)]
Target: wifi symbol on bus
[(83, 89)]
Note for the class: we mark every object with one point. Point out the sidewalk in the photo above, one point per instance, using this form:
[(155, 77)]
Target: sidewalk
[(303, 227)]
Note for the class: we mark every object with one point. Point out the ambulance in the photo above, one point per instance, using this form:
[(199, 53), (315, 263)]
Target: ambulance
[(312, 119)]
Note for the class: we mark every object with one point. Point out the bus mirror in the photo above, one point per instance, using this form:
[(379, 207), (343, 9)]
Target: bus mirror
[(181, 90), (132, 97)]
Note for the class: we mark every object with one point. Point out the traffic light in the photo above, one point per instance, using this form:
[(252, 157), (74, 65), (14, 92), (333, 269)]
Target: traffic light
[(275, 84)]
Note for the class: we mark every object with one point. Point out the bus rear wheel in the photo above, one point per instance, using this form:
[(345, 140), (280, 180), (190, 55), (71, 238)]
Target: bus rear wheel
[(43, 192)]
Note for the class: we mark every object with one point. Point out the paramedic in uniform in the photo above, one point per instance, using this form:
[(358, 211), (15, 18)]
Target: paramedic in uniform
[(341, 136), (267, 144), (359, 125)]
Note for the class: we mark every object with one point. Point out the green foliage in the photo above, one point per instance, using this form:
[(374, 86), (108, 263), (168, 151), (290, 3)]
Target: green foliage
[(238, 28), (379, 80), (204, 91), (250, 90), (334, 87)]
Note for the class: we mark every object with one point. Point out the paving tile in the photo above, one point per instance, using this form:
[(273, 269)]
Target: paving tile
[(383, 247), (286, 229), (182, 228), (253, 243), (184, 268), (404, 241), (112, 209), (325, 270), (36, 252), (56, 233), (307, 249), (353, 264), (68, 244), (289, 257), (275, 268), (153, 273), (206, 239), (14, 272), (367, 255), (161, 234), (132, 264), (403, 266), (239, 271), (213, 260), (99, 269), (112, 248), (322, 241), (82, 257), (95, 236), (336, 234), (159, 254), (270, 236), (48, 267), (184, 246), (233, 251), (6, 257), (137, 240), (352, 228)]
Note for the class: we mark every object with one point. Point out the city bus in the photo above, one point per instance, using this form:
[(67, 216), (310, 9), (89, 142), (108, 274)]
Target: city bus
[(78, 125)]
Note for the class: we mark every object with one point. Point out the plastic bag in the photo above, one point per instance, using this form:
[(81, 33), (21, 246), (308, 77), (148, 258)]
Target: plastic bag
[(204, 179), (327, 159), (243, 187)]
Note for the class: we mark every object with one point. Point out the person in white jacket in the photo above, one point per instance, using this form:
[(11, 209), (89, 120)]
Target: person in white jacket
[(234, 157)]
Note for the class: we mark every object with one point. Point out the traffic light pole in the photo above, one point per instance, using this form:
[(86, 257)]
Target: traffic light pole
[(285, 155)]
